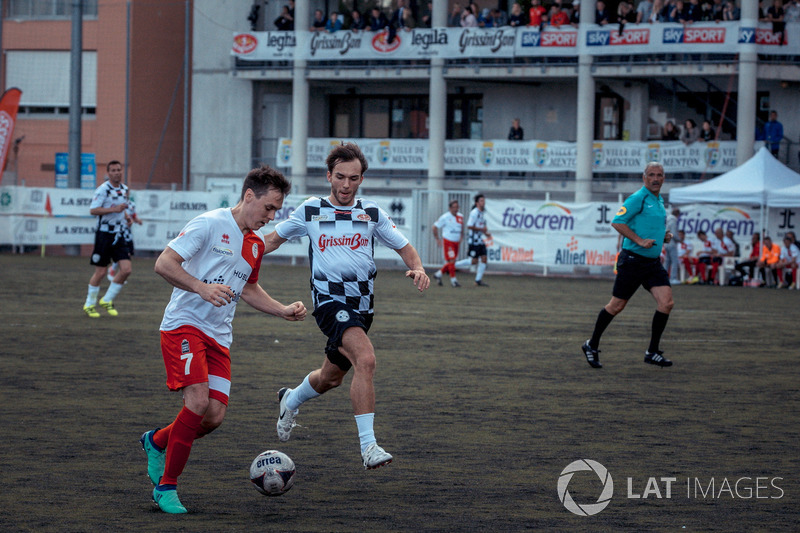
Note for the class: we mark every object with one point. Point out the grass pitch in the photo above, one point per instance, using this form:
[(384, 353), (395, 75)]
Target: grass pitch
[(483, 398)]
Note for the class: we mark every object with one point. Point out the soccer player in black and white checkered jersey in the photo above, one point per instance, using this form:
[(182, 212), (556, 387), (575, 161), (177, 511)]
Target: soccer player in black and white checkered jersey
[(109, 203), (476, 224), (342, 230)]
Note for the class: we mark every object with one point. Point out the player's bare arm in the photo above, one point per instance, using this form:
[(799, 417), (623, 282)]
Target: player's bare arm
[(100, 211), (257, 298), (273, 241), (169, 266), (415, 269), (626, 231)]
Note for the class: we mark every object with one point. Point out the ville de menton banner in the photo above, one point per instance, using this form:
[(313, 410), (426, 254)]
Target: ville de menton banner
[(554, 234), (527, 156), (508, 42)]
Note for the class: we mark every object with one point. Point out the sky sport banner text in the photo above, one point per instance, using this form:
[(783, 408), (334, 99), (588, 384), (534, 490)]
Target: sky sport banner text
[(527, 156), (507, 42), (562, 236)]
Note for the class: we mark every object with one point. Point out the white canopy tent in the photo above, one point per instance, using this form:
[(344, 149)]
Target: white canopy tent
[(788, 197), (748, 184)]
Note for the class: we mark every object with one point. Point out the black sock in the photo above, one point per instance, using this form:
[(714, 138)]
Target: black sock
[(659, 323), (603, 320)]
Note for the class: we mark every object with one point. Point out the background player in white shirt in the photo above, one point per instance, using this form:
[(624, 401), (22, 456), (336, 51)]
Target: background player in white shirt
[(341, 230), (451, 225), (212, 263), (788, 263)]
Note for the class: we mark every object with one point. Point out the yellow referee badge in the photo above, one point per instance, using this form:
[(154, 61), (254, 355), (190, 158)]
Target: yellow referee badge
[(622, 211)]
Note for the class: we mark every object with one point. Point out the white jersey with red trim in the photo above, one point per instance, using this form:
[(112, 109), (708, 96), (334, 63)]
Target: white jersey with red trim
[(341, 248), (451, 226), (684, 249), (214, 250)]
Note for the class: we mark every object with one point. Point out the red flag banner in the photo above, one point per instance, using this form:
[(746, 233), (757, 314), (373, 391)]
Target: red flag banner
[(9, 103), (48, 206)]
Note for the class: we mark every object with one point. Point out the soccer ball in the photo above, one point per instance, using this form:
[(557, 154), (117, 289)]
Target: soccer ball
[(272, 473)]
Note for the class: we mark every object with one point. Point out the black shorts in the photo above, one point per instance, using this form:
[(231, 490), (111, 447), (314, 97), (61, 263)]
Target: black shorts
[(333, 319), (109, 247), (710, 260), (634, 270), (476, 250)]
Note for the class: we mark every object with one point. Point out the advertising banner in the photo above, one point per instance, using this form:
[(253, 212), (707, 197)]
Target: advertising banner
[(508, 42), (9, 105), (528, 156)]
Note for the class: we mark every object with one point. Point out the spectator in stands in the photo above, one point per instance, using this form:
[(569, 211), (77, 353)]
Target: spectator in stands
[(601, 13), (319, 22), (717, 11), (656, 12), (517, 17), (537, 14), (334, 23), (285, 22), (706, 12), (730, 11), (468, 19), (558, 17), (499, 18), (770, 255), (707, 133), (791, 11), (515, 133), (750, 264), (575, 16), (357, 22), (671, 132), (426, 15), (680, 13), (377, 20), (485, 18), (454, 19), (775, 15), (643, 11), (690, 133), (787, 263), (694, 11), (773, 133)]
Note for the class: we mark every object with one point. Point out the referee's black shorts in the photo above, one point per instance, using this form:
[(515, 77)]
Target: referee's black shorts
[(634, 270)]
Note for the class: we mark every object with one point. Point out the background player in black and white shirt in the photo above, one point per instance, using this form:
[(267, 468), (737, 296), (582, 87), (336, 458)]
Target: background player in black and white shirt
[(342, 230), (478, 232), (109, 203)]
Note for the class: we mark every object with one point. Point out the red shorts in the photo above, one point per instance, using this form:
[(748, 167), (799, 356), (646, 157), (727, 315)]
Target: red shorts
[(191, 357), (450, 250)]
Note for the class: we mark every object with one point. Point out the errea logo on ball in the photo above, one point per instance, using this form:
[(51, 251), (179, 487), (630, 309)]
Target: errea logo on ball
[(586, 509)]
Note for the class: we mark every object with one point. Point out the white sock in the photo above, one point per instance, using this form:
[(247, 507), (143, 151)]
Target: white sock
[(365, 432), (91, 296), (112, 292), (301, 394), (453, 280), (481, 270), (464, 263)]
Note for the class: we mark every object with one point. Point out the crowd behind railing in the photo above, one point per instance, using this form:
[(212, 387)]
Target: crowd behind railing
[(540, 14)]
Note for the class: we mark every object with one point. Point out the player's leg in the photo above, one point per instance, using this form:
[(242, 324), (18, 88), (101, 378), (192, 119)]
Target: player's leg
[(662, 293), (123, 271), (99, 260), (481, 270), (358, 349)]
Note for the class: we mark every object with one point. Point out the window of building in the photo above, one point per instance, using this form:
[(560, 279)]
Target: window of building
[(465, 116), (44, 79), (379, 117), (609, 117), (47, 9)]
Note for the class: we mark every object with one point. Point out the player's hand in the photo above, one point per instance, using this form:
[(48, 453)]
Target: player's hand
[(119, 208), (294, 312), (216, 294), (667, 237), (647, 243), (421, 279)]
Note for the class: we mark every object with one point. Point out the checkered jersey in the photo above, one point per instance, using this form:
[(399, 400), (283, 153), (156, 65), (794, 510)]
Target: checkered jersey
[(106, 195), (341, 248), (127, 234), (478, 220)]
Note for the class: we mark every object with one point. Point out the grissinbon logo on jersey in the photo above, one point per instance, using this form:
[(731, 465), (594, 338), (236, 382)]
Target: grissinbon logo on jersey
[(353, 242), (219, 250)]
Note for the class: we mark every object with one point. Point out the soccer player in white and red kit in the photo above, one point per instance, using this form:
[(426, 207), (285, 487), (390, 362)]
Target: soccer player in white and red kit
[(212, 263), (451, 225), (342, 230)]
